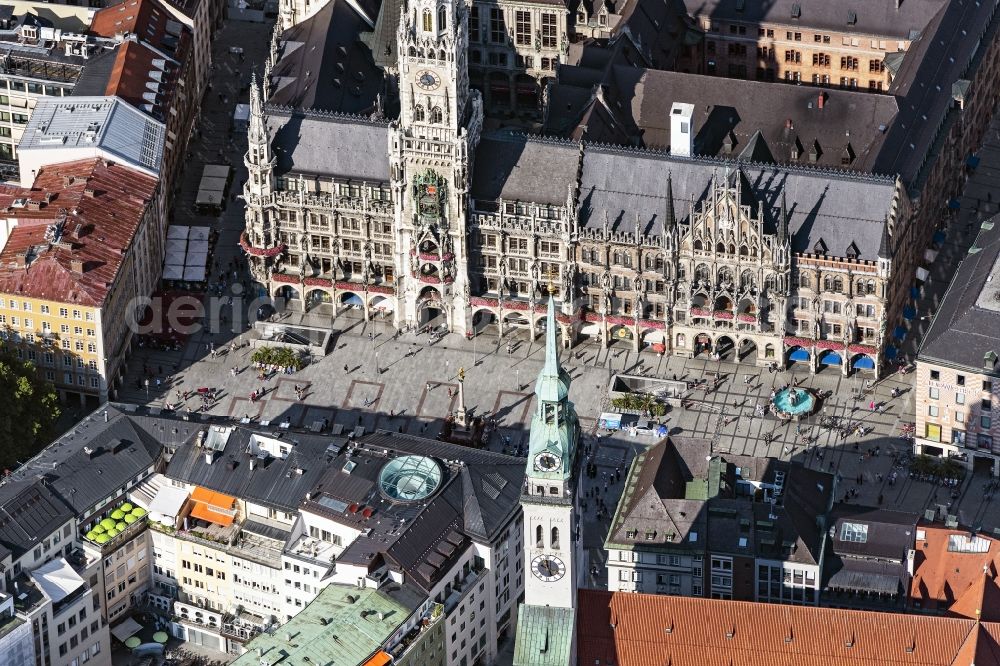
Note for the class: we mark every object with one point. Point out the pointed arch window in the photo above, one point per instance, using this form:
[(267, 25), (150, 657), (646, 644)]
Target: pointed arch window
[(436, 116), (539, 537), (442, 21), (428, 21), (555, 537), (418, 113)]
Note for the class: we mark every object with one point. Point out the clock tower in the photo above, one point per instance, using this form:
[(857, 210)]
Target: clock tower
[(431, 148), (552, 532)]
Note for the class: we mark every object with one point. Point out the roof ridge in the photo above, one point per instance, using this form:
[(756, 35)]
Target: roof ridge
[(844, 174), (320, 113)]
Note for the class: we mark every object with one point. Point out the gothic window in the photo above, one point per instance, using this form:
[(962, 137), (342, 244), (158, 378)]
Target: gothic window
[(474, 24), (860, 289), (681, 340), (442, 22), (701, 273), (549, 31), (744, 251), (436, 114), (771, 282), (659, 262), (732, 249), (827, 283), (720, 248), (838, 285), (522, 27), (428, 21), (617, 258), (805, 281), (539, 537), (870, 287), (418, 113), (746, 280), (725, 275), (498, 31), (555, 537), (413, 52)]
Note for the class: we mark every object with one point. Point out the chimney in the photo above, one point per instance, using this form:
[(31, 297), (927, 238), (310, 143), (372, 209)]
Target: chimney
[(788, 124), (681, 130), (21, 259), (89, 192), (76, 265), (209, 457)]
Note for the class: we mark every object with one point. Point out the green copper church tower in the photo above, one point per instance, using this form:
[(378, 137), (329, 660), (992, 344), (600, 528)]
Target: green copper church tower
[(546, 625)]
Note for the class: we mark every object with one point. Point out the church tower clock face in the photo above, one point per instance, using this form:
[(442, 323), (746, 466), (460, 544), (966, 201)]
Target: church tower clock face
[(428, 80), (548, 568)]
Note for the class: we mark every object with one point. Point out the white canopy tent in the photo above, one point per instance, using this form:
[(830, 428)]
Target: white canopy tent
[(57, 579), (125, 630), (167, 504), (173, 272), (198, 233), (177, 231)]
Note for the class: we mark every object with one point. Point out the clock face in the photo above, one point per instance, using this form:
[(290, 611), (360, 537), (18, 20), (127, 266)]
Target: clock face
[(428, 80), (547, 462), (548, 568)]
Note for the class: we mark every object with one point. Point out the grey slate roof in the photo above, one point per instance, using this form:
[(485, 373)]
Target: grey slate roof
[(925, 80), (517, 167), (382, 41), (323, 66), (29, 514), (835, 207), (967, 324), (890, 533), (732, 110), (477, 497), (882, 17), (671, 494), (329, 144), (121, 449), (275, 483)]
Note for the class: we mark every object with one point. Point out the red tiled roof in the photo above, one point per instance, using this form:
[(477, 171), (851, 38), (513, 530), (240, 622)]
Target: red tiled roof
[(147, 19), (629, 629), (131, 77), (980, 601), (941, 576), (105, 201)]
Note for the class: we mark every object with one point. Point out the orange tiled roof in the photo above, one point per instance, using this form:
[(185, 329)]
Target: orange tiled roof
[(626, 629), (941, 576), (105, 202), (147, 19)]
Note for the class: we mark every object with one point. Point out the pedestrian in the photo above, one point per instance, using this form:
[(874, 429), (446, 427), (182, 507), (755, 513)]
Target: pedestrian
[(345, 369)]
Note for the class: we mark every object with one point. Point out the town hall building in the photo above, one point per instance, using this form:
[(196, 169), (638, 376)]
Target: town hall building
[(405, 206)]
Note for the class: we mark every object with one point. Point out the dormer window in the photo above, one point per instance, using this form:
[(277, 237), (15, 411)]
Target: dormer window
[(602, 19)]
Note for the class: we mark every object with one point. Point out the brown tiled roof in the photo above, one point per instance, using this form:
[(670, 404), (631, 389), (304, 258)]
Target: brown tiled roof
[(147, 19), (135, 75), (627, 629), (102, 205), (980, 601), (940, 576)]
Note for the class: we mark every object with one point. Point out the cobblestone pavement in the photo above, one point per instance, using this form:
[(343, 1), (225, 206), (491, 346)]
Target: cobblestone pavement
[(373, 379)]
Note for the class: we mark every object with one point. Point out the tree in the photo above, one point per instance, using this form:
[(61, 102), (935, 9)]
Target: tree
[(29, 413)]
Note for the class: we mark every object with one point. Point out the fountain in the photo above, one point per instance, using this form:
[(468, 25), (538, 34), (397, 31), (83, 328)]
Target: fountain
[(794, 402)]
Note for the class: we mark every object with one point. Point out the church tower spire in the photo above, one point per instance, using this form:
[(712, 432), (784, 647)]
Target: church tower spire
[(546, 628), (258, 159)]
